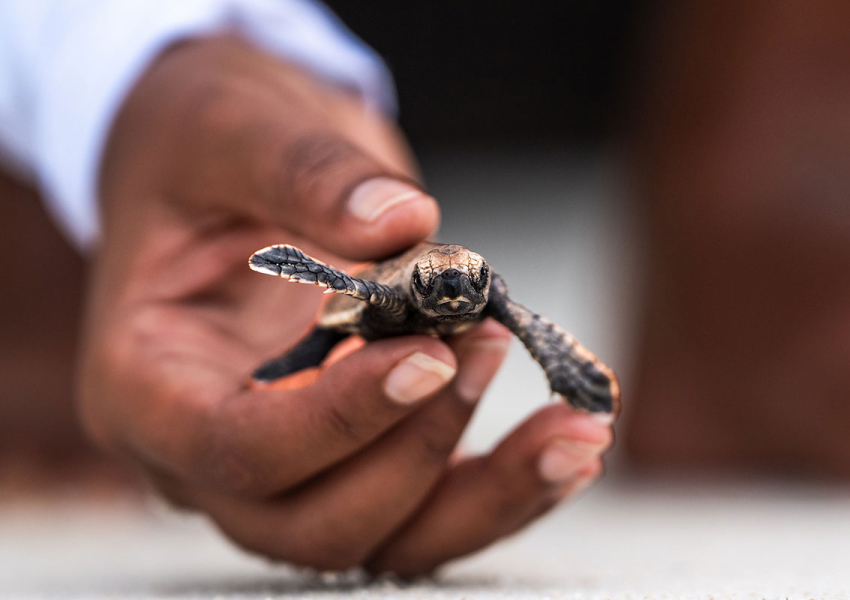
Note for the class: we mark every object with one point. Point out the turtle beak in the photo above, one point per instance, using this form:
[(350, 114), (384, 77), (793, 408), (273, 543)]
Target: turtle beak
[(454, 293)]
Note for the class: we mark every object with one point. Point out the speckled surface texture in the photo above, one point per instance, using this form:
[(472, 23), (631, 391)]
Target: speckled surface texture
[(646, 539)]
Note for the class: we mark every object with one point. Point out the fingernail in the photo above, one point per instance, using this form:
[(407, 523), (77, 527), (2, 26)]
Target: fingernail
[(416, 377), (603, 417), (562, 458), (484, 357), (374, 197)]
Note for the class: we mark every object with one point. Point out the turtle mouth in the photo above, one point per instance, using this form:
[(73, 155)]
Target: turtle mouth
[(452, 295), (454, 306)]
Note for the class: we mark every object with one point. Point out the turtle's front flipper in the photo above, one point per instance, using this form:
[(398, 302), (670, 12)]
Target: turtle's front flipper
[(292, 264), (573, 371), (310, 351)]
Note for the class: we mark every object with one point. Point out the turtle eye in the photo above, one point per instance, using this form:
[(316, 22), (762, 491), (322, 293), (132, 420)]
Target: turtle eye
[(483, 276), (417, 282)]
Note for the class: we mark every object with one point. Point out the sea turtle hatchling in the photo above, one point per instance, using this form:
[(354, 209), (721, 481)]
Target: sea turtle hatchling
[(435, 289)]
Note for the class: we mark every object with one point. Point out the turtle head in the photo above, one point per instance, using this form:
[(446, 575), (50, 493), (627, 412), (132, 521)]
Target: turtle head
[(450, 282)]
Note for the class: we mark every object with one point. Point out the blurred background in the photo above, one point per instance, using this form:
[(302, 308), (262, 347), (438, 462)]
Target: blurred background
[(671, 184), (501, 73), (513, 111)]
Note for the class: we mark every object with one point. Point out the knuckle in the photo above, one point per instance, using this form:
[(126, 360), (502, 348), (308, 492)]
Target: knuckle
[(343, 425), (321, 163), (313, 154), (437, 439)]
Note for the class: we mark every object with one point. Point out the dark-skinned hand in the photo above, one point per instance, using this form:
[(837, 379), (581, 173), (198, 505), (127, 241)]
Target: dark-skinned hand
[(220, 150)]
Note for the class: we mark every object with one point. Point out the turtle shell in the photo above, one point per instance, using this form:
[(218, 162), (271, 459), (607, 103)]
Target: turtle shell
[(344, 312)]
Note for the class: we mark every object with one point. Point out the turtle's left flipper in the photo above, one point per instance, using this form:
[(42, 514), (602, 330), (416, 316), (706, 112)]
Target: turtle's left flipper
[(292, 264), (573, 371), (308, 352)]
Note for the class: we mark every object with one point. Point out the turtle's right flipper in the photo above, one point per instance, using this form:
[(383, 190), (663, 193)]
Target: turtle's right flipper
[(310, 351), (574, 372), (292, 264)]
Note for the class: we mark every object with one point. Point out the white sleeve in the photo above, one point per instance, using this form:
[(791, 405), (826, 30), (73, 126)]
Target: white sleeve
[(65, 68)]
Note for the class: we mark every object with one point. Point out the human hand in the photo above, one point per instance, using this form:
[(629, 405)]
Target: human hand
[(218, 151)]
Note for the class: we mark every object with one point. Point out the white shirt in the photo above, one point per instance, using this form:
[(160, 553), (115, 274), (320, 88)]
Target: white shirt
[(66, 66)]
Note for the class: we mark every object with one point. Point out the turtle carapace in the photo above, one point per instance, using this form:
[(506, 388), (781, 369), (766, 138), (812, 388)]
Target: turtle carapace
[(436, 289)]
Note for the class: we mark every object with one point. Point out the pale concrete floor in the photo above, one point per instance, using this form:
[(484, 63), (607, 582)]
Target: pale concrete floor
[(557, 229), (653, 539)]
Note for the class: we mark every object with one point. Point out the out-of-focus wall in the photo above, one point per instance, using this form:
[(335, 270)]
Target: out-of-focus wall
[(556, 224), (480, 71)]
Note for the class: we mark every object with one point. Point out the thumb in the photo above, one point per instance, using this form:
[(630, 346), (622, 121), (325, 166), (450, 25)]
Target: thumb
[(334, 193), (237, 130)]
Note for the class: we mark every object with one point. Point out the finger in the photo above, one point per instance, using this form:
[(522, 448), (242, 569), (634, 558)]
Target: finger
[(484, 498), (574, 487), (367, 497), (337, 520), (272, 143), (260, 442), (332, 191)]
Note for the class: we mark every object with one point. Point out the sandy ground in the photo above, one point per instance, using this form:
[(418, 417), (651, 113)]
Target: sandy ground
[(559, 232)]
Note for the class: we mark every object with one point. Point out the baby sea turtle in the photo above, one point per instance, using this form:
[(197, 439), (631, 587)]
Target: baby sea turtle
[(436, 289)]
